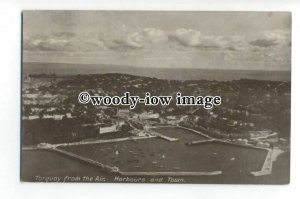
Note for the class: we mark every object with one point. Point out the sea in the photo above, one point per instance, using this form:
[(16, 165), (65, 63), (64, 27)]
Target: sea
[(160, 73)]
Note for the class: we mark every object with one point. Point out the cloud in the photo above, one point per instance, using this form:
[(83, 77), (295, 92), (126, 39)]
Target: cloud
[(195, 39), (190, 38), (271, 38), (63, 42), (261, 46), (146, 38), (264, 42), (237, 43), (186, 37), (132, 41), (213, 42), (154, 36)]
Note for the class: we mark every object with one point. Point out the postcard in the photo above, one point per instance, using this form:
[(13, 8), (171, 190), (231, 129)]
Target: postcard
[(156, 97)]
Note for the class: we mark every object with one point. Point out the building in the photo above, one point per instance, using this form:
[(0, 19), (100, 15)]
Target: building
[(108, 129), (123, 113), (146, 116), (172, 120)]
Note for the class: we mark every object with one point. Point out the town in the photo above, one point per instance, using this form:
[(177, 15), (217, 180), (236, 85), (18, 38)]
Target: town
[(252, 111)]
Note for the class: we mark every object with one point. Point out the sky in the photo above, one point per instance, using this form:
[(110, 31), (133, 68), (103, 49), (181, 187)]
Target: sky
[(209, 40)]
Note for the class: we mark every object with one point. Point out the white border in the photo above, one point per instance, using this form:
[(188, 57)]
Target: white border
[(10, 185)]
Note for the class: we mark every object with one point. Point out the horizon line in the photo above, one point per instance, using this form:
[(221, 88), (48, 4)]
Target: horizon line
[(36, 62)]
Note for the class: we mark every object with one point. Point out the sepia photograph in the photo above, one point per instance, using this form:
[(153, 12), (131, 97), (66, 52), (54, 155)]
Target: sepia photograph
[(194, 97)]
